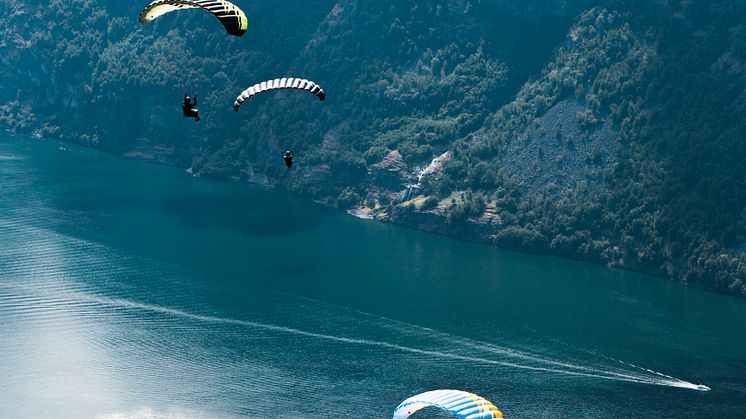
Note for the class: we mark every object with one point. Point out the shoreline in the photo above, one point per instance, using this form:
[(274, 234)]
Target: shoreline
[(440, 229)]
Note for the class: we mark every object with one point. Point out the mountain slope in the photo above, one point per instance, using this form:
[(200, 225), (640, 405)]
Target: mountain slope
[(612, 133)]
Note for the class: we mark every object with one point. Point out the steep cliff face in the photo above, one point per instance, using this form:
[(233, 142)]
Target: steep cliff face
[(648, 173), (609, 133)]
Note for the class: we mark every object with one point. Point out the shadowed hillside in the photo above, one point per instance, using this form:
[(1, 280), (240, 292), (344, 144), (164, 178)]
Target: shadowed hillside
[(613, 133)]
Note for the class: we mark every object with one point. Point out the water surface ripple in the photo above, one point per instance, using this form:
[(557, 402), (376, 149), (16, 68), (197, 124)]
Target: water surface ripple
[(134, 290)]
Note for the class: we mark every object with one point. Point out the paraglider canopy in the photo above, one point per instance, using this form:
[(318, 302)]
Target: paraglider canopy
[(283, 83), (459, 403), (233, 19)]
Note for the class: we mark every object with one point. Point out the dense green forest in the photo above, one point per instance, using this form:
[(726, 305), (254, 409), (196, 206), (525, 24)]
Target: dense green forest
[(608, 132)]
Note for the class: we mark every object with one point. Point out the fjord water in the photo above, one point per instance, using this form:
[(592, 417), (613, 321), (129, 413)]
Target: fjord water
[(134, 289)]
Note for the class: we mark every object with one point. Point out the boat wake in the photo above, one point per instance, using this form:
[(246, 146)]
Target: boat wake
[(439, 344)]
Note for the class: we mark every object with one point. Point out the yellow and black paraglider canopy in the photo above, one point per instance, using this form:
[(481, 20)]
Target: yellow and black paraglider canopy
[(233, 19)]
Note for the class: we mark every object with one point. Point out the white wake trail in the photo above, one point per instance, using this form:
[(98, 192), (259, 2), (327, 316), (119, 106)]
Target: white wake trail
[(555, 367), (549, 365)]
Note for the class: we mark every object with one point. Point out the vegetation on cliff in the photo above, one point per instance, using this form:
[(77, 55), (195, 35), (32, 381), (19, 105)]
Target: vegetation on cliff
[(612, 133)]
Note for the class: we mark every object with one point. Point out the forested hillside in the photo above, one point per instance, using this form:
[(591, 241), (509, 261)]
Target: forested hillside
[(612, 133)]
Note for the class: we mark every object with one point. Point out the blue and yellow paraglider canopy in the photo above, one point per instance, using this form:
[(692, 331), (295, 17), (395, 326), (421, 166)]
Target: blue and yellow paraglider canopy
[(459, 403)]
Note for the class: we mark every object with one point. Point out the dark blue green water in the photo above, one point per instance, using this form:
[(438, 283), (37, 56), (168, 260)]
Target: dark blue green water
[(134, 289)]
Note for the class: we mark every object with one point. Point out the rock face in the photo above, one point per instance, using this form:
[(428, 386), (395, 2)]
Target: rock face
[(481, 229), (490, 217), (556, 149), (391, 173)]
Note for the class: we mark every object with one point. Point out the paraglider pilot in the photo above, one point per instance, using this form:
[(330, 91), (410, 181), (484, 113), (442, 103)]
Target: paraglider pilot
[(288, 156), (189, 107)]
